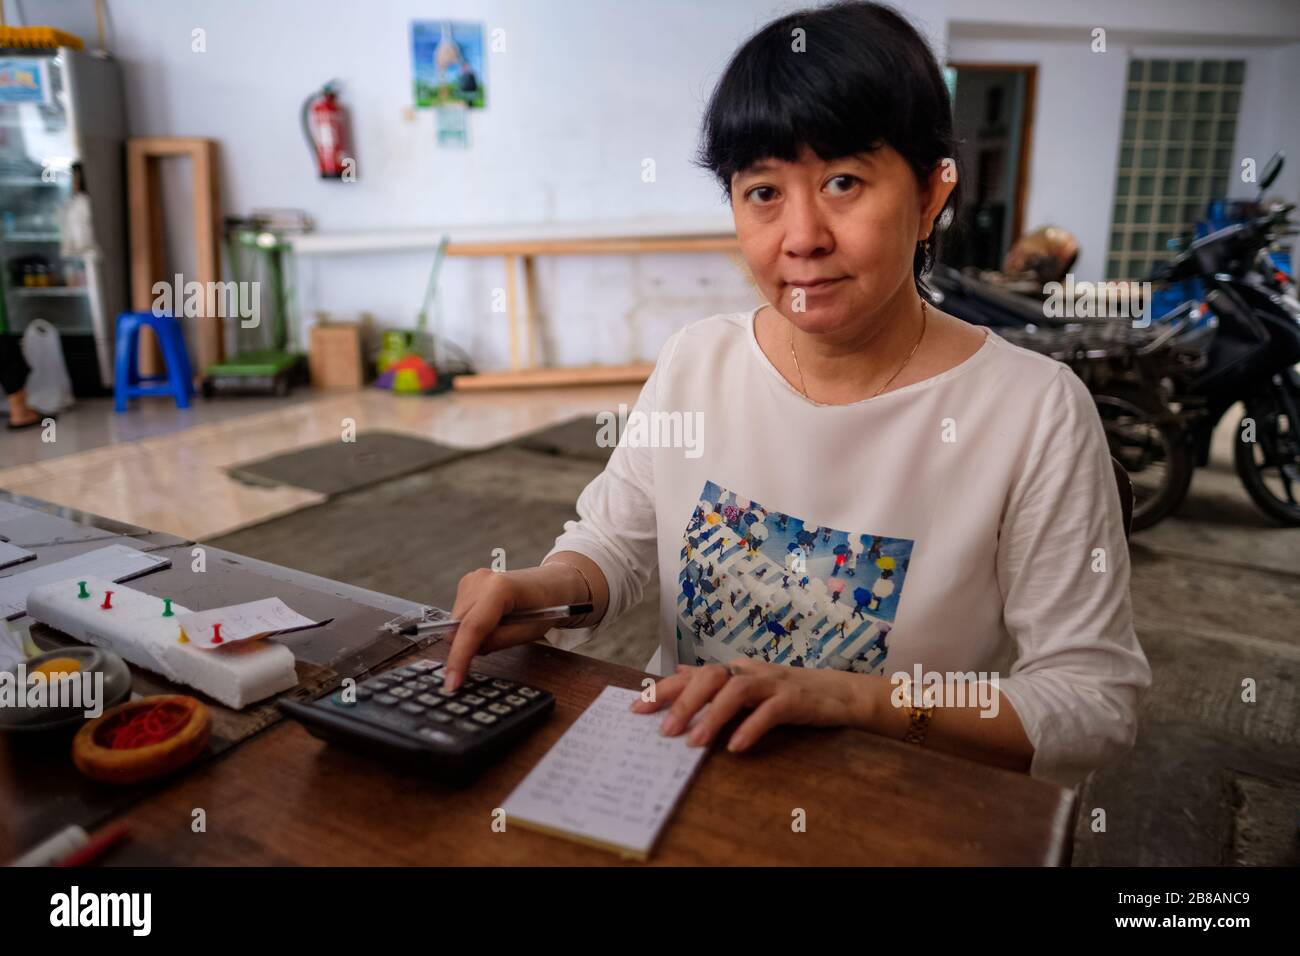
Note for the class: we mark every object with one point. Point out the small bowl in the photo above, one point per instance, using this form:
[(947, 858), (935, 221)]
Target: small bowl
[(49, 719), (95, 754)]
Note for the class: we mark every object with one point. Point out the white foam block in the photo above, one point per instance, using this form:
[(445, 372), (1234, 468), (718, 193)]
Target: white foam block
[(238, 675), (135, 628)]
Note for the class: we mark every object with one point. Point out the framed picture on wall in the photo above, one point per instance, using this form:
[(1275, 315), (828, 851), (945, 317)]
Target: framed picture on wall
[(447, 63)]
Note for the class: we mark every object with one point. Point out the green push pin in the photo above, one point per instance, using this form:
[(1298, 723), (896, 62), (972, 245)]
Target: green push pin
[(167, 611), (84, 593)]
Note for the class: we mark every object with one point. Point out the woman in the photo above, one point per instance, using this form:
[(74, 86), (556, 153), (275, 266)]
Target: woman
[(968, 478)]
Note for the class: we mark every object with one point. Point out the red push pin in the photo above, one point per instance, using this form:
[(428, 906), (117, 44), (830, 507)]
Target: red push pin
[(216, 634), (108, 601)]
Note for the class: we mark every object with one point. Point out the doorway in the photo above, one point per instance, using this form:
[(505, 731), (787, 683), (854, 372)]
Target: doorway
[(993, 117)]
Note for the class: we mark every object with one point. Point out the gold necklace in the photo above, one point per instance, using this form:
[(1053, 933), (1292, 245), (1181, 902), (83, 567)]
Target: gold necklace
[(804, 391)]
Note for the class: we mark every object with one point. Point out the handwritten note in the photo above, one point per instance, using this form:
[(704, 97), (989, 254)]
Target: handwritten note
[(612, 780), (243, 622)]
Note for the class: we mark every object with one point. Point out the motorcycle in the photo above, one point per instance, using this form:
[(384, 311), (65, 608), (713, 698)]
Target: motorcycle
[(1162, 390), (1252, 356)]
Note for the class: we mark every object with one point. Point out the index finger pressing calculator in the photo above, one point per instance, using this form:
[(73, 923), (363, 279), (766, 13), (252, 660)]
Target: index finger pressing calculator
[(406, 715)]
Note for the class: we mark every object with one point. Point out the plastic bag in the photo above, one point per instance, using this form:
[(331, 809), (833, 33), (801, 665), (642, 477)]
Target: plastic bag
[(76, 227), (15, 645), (49, 387)]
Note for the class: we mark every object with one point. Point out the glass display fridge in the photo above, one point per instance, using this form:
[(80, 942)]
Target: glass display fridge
[(63, 131)]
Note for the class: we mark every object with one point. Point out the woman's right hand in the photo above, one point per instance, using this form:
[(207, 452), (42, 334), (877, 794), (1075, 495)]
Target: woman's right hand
[(485, 596)]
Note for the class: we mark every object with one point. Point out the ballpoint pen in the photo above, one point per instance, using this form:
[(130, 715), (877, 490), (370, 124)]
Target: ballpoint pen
[(557, 612)]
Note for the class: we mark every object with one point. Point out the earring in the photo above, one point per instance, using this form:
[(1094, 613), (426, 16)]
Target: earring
[(927, 256)]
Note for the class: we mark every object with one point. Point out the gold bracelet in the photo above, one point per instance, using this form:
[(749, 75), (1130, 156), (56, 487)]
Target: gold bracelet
[(918, 717), (591, 594)]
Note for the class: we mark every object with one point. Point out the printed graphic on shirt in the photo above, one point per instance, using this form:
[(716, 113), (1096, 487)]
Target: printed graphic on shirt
[(763, 584)]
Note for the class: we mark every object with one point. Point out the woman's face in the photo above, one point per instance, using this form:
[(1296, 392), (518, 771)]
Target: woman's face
[(830, 242)]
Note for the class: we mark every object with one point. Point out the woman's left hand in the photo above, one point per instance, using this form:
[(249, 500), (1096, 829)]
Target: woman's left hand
[(776, 694)]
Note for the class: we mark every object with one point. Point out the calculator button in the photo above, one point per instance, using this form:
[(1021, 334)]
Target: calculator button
[(483, 718), (469, 725), (401, 693), (529, 692), (489, 693), (435, 678), (501, 709), (438, 717), (428, 700), (412, 708), (436, 736), (422, 666), (343, 700), (444, 692), (388, 700), (456, 708), (502, 684), (515, 699), (475, 675), (364, 693), (377, 683), (404, 672), (472, 699)]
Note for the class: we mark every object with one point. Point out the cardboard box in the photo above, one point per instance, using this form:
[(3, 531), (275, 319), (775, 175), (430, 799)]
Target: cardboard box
[(334, 355)]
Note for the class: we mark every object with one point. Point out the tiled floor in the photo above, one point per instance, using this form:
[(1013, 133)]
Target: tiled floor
[(92, 423), (166, 470)]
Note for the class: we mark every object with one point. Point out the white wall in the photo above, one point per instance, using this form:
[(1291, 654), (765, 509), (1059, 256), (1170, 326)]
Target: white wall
[(586, 90), (1211, 20), (1076, 137)]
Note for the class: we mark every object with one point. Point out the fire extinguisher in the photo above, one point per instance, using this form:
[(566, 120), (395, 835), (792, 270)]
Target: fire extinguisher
[(324, 123)]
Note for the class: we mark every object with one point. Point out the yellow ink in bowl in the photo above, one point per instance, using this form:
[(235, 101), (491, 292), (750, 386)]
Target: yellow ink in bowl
[(56, 667)]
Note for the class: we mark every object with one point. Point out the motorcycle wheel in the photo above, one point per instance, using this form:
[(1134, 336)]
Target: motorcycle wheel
[(1154, 451), (1269, 467)]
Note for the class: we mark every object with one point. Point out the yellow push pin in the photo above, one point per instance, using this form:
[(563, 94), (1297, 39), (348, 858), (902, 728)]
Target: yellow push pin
[(182, 639)]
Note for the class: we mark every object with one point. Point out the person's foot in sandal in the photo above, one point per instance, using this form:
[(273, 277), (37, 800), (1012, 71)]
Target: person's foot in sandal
[(22, 415)]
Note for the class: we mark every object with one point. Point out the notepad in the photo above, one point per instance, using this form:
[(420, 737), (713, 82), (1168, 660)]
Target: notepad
[(11, 554), (611, 781), (114, 562)]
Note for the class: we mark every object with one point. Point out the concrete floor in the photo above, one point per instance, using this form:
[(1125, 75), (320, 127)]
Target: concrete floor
[(1214, 779)]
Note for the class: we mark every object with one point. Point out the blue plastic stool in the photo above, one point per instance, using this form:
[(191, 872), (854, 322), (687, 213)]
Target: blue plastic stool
[(128, 383)]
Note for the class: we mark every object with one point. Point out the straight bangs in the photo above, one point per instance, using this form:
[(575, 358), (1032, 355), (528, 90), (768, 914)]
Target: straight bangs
[(774, 101)]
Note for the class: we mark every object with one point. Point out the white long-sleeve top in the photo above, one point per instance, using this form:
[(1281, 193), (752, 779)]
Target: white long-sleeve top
[(966, 523)]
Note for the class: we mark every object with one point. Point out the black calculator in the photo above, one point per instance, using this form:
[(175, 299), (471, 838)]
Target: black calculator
[(408, 716)]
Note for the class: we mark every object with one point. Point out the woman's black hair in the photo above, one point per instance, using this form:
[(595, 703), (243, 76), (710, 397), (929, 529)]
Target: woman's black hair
[(857, 77)]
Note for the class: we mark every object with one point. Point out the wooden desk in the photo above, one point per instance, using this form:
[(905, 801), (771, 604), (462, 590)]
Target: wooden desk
[(286, 798)]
